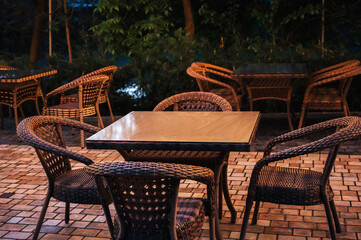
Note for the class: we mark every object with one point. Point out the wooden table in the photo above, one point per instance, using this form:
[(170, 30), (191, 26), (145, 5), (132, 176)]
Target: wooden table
[(271, 81), (198, 131), (18, 86)]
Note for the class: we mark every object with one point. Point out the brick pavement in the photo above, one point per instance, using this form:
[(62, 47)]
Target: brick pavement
[(23, 187)]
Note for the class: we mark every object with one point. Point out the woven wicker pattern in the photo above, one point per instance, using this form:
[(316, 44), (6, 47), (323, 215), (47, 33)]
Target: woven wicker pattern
[(44, 133), (88, 91), (321, 93), (145, 199), (109, 71), (192, 101), (3, 67), (13, 92), (218, 80), (299, 186)]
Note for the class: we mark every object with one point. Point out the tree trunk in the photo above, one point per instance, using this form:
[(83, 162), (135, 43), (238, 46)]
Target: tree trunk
[(68, 32), (35, 40), (188, 18)]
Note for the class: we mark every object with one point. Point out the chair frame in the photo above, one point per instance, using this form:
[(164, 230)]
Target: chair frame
[(104, 93), (342, 73), (140, 173), (347, 128), (89, 89), (20, 93), (58, 155), (203, 73)]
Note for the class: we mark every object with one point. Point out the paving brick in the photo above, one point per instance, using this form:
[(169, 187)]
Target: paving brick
[(21, 173)]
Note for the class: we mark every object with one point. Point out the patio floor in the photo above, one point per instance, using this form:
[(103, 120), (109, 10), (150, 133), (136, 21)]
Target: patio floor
[(23, 186)]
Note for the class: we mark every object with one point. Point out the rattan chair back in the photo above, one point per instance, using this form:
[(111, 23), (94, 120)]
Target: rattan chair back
[(109, 71), (3, 67), (211, 78), (145, 197), (327, 90), (283, 185), (194, 101), (44, 133)]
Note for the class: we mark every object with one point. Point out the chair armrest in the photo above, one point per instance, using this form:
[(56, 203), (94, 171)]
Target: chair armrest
[(25, 131)]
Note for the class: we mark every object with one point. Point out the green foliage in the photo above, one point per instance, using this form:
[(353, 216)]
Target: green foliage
[(130, 23), (159, 69)]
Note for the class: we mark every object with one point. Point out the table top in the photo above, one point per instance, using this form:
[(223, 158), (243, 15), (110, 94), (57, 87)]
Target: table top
[(18, 76), (263, 70), (168, 130)]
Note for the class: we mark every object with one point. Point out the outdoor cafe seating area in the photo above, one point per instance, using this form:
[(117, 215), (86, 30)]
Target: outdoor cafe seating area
[(202, 164)]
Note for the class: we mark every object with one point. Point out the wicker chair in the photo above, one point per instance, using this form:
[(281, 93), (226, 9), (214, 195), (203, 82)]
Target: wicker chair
[(14, 97), (322, 94), (44, 133), (218, 80), (104, 98), (88, 91), (282, 185), (191, 101), (145, 197)]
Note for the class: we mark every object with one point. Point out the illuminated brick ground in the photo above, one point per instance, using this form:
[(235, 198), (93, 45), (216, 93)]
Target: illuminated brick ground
[(23, 187)]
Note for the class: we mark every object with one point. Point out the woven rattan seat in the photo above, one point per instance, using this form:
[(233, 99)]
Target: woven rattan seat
[(44, 133), (76, 186), (103, 98), (146, 201), (327, 89), (89, 88), (291, 186), (296, 186), (218, 80)]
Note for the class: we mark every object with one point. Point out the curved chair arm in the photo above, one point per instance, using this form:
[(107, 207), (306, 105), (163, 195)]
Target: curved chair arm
[(346, 73), (71, 85), (350, 63), (109, 70), (350, 128), (159, 170), (26, 132), (216, 70), (194, 96), (194, 73)]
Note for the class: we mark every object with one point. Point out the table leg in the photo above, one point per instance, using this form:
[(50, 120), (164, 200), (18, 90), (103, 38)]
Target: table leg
[(217, 176), (226, 194)]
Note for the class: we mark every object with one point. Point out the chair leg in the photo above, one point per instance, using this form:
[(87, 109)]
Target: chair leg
[(226, 194), (251, 105), (67, 212), (255, 213), (82, 138), (302, 117), (346, 109), (1, 117), (37, 106), (21, 111), (329, 217), (212, 228), (100, 121), (335, 217), (42, 215), (247, 212), (110, 109), (109, 219), (16, 116)]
